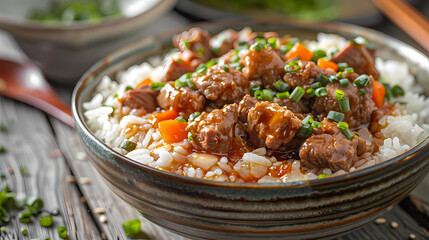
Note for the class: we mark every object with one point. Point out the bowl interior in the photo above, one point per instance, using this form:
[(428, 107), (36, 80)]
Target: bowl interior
[(387, 48)]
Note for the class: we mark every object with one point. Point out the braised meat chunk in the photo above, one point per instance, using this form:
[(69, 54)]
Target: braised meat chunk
[(244, 107), (222, 84), (359, 58), (195, 41), (306, 74), (140, 98), (174, 68), (215, 131), (184, 99), (223, 42), (270, 125)]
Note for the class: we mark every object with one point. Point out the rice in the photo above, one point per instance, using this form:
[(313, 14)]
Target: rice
[(405, 127)]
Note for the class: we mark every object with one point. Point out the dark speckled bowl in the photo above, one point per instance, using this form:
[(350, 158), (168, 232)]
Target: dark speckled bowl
[(206, 209)]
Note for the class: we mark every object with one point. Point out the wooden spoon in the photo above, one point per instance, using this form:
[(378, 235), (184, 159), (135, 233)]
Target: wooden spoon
[(25, 82)]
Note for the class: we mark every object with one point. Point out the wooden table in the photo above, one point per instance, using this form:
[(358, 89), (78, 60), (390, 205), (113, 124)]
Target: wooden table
[(58, 171)]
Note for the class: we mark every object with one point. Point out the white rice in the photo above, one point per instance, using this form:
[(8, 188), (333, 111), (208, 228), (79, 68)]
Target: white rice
[(405, 127)]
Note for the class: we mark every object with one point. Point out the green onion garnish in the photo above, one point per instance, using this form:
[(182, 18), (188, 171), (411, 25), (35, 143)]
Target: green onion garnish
[(333, 78), (201, 51), (311, 92), (297, 94), (186, 43), (340, 75), (339, 93), (178, 61), (190, 137), (283, 95), (335, 116), (304, 131), (316, 85), (347, 133), (283, 49), (116, 95), (267, 95), (234, 59), (342, 66), (180, 119), (322, 176), (128, 145), (34, 204), (292, 67), (184, 80), (356, 133), (307, 120), (397, 91), (290, 44), (225, 68), (243, 47), (178, 84), (202, 68), (258, 46), (361, 91), (349, 70), (344, 104), (156, 86), (193, 116), (211, 62), (62, 232), (2, 149), (318, 54), (128, 88), (332, 51), (323, 79), (342, 125), (236, 65), (24, 216), (344, 82), (361, 81), (24, 231), (321, 92), (258, 94), (254, 88), (281, 86), (3, 229), (316, 124), (272, 42), (3, 127), (46, 219), (132, 227)]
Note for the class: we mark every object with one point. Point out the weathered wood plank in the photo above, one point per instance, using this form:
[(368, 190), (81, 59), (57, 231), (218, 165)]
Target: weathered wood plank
[(29, 143), (98, 194)]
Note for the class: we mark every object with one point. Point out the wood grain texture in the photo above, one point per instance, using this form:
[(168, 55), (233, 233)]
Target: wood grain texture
[(30, 143)]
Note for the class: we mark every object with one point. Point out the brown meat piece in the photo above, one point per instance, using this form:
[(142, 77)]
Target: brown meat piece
[(303, 106), (265, 65), (223, 42), (140, 98), (173, 69), (359, 58), (361, 106), (244, 106), (215, 132), (222, 86), (306, 75), (196, 41), (270, 125), (183, 100)]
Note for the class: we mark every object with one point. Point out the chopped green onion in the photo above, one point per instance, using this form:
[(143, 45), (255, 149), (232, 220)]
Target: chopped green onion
[(307, 120), (272, 42), (397, 91), (292, 67), (339, 93), (356, 133), (321, 92), (243, 47), (283, 95), (116, 95), (297, 94), (156, 86), (267, 95), (132, 227), (258, 94), (349, 70), (178, 61), (24, 216), (193, 116), (261, 39), (316, 85), (3, 229), (316, 124), (62, 232), (342, 66), (254, 88), (322, 176), (361, 81), (178, 84), (361, 91), (344, 104), (388, 91), (342, 125), (128, 88), (23, 170), (3, 127), (347, 133), (186, 43), (24, 231), (225, 68), (46, 219), (318, 54), (34, 204), (359, 40), (332, 51), (2, 149), (201, 69), (400, 103), (281, 86), (344, 82), (236, 65), (333, 78), (190, 84), (290, 44), (311, 92), (258, 46), (234, 59), (304, 131), (180, 119), (335, 116), (201, 51), (340, 75), (190, 137), (323, 79), (211, 62), (128, 145), (284, 49)]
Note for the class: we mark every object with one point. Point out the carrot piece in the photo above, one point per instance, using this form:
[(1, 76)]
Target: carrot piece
[(166, 115), (298, 50), (173, 131), (146, 82), (378, 93), (325, 64)]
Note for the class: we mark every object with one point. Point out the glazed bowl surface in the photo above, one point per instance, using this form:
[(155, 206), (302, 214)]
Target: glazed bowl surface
[(215, 210)]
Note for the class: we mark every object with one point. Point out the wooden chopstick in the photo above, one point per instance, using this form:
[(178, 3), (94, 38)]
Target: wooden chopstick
[(406, 18)]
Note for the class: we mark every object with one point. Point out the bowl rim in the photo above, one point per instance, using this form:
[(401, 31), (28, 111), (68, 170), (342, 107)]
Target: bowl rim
[(122, 53)]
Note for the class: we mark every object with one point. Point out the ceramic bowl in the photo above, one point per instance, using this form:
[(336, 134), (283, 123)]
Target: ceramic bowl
[(213, 210), (65, 52)]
